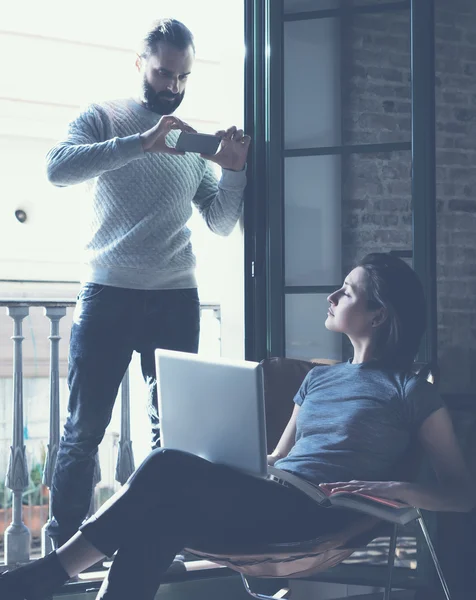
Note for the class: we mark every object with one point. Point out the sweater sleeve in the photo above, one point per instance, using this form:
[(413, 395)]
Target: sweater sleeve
[(86, 153), (220, 202)]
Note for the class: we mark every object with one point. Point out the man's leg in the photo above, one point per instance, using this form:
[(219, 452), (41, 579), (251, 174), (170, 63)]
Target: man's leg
[(171, 320), (100, 351)]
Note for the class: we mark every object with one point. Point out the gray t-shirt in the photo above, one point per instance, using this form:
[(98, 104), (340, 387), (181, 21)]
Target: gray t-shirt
[(356, 421)]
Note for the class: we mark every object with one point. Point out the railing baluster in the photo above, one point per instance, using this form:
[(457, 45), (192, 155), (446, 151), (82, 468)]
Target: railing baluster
[(17, 535), (55, 314), (217, 314), (125, 457)]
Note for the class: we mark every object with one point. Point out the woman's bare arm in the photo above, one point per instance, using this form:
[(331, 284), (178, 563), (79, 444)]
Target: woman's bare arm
[(287, 439), (456, 487)]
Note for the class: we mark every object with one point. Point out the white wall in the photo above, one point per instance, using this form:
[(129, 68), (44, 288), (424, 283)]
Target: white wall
[(52, 73)]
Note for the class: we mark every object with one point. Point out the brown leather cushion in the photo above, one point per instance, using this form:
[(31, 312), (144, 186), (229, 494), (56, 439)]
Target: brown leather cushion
[(293, 559)]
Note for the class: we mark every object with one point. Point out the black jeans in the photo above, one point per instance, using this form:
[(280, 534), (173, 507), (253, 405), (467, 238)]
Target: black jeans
[(109, 324), (177, 500)]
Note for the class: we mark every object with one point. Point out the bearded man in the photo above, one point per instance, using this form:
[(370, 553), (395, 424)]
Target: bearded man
[(139, 290)]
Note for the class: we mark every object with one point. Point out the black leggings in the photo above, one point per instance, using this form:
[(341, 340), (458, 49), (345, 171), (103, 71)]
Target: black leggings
[(176, 500)]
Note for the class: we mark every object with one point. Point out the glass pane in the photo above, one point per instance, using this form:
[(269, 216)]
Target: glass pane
[(376, 66), (294, 6), (376, 204), (312, 112), (375, 3), (306, 334), (313, 220)]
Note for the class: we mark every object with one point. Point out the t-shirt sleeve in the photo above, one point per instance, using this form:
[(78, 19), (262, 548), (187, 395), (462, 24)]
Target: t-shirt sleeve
[(301, 393), (421, 400)]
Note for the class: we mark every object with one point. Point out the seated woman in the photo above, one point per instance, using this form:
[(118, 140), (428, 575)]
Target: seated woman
[(351, 424)]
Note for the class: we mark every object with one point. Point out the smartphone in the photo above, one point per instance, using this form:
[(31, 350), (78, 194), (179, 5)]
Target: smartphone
[(197, 142)]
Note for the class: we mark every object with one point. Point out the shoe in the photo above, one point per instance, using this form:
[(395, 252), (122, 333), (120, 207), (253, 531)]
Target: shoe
[(10, 587), (177, 566), (188, 556), (99, 566), (38, 579)]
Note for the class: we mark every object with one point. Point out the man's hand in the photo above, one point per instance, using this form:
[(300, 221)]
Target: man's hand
[(233, 149), (153, 140)]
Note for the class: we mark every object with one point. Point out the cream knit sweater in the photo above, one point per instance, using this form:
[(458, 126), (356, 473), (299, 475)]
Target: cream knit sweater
[(140, 202)]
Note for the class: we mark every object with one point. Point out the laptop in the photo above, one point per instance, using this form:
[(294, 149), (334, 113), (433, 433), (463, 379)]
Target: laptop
[(214, 408)]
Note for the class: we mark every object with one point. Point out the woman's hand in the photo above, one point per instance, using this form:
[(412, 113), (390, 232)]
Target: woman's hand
[(274, 456), (392, 490)]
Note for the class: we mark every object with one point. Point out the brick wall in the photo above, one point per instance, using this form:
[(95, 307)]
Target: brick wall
[(377, 188)]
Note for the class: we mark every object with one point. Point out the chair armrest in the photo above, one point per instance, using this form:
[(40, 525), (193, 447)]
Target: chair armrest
[(382, 508)]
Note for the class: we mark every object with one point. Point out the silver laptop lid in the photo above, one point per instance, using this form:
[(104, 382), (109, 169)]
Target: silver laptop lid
[(213, 408)]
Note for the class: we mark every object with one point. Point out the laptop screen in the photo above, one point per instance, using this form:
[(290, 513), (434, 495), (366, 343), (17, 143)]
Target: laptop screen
[(213, 408)]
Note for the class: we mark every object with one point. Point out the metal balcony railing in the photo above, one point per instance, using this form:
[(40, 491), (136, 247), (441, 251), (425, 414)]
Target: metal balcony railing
[(17, 535)]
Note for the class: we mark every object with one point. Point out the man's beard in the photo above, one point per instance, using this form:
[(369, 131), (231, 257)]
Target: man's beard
[(157, 101)]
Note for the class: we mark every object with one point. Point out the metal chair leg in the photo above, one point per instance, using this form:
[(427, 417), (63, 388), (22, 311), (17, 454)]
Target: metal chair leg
[(282, 593), (436, 562), (390, 562)]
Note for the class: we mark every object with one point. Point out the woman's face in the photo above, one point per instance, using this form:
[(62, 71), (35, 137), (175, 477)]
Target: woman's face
[(348, 312)]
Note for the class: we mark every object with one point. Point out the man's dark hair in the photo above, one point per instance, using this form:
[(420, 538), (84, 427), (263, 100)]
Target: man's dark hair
[(172, 32), (394, 285)]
